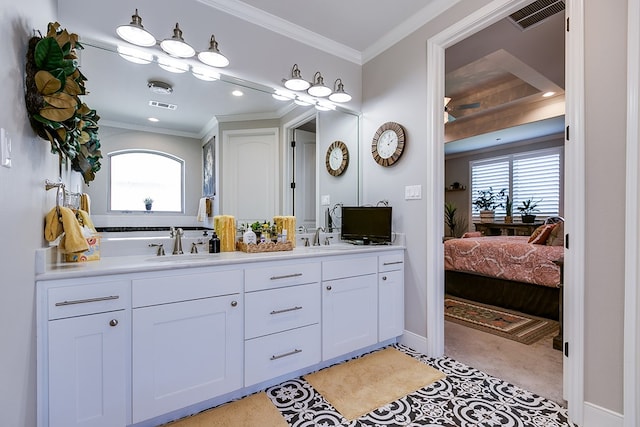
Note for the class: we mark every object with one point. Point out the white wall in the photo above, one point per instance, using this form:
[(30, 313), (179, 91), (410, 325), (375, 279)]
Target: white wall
[(394, 89), (24, 202)]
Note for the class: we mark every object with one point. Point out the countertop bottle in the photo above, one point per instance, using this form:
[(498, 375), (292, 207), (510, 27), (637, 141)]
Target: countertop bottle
[(249, 237), (214, 244)]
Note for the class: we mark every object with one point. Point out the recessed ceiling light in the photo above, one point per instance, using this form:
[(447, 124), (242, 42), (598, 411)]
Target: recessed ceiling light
[(237, 93), (153, 119), (548, 94)]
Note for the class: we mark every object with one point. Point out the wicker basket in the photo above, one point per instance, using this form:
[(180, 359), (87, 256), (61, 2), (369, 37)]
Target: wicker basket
[(264, 247)]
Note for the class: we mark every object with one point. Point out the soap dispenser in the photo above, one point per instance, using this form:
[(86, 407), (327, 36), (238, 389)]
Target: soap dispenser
[(214, 244), (249, 237)]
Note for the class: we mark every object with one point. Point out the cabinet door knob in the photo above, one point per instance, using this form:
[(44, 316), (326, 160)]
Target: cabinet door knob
[(328, 287), (234, 303), (113, 322), (384, 277)]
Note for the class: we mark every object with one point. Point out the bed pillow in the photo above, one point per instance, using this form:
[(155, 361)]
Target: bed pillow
[(556, 237), (541, 234), (471, 234)]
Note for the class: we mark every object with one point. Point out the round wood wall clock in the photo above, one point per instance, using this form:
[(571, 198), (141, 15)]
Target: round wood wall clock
[(337, 158), (388, 144)]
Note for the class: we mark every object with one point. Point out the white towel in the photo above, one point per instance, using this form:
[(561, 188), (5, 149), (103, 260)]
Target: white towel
[(202, 209)]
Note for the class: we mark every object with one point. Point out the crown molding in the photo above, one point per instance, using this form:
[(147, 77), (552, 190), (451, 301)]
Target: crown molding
[(428, 13), (288, 29)]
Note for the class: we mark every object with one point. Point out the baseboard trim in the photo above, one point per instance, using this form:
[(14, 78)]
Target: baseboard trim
[(597, 416), (414, 341)]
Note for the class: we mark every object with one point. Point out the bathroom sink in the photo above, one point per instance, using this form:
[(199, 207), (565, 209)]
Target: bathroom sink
[(334, 247), (182, 258)]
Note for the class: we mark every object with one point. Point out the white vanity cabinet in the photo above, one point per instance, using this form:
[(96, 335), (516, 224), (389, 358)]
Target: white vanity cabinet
[(390, 295), (83, 347), (282, 319), (187, 339), (349, 304)]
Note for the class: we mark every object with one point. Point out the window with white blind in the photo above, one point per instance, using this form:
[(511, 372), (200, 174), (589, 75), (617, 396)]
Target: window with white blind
[(532, 175)]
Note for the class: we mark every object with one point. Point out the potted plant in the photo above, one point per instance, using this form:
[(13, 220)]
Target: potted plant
[(148, 202), (527, 209), (508, 206), (487, 201), (450, 217)]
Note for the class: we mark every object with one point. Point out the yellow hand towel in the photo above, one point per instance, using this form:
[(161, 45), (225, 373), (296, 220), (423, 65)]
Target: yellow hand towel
[(52, 226), (85, 203), (73, 239), (86, 219)]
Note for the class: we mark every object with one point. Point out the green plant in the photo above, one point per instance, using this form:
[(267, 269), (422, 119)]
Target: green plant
[(450, 217), (54, 85), (148, 201), (489, 200), (529, 206), (508, 206)]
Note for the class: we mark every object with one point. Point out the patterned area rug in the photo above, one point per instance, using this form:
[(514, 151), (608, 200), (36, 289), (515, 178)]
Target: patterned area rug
[(510, 324)]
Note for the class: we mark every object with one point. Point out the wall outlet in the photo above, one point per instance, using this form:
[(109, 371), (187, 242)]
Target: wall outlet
[(413, 192)]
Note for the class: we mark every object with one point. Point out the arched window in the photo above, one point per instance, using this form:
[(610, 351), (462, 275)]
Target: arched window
[(137, 175)]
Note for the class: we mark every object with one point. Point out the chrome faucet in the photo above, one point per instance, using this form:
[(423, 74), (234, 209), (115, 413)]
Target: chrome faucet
[(160, 247), (177, 243), (316, 236)]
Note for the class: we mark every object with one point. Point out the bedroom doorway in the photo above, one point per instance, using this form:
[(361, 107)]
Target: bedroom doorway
[(496, 10)]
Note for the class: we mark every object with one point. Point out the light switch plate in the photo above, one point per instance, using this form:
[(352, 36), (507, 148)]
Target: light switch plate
[(413, 192), (5, 148), (325, 200)]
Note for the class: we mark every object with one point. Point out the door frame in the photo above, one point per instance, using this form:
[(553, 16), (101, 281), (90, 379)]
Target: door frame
[(631, 354), (574, 178)]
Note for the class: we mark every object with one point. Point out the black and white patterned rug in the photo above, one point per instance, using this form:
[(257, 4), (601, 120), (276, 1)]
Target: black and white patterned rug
[(466, 397)]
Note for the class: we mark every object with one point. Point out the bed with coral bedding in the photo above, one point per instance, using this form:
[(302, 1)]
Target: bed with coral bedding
[(506, 271)]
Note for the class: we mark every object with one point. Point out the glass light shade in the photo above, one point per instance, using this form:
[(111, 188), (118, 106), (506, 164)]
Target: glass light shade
[(318, 88), (172, 65), (205, 73), (339, 95), (212, 56), (135, 55), (135, 33), (296, 82), (176, 46)]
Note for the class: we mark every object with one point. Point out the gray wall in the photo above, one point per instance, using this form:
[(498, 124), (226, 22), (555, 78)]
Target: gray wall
[(25, 203), (394, 88)]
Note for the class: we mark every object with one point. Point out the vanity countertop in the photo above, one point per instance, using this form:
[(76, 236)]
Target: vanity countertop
[(145, 263)]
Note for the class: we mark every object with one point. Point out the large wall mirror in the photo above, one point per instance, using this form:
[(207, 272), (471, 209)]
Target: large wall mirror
[(253, 181)]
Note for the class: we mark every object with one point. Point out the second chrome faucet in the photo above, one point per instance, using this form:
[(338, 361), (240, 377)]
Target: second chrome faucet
[(177, 234)]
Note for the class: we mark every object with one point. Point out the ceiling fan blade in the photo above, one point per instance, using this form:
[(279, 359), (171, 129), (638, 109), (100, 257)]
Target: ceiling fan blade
[(468, 106)]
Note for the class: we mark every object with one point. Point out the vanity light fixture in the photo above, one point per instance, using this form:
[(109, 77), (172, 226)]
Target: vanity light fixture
[(212, 56), (281, 95), (173, 65), (136, 56), (339, 95), (296, 82), (318, 88), (304, 101), (205, 73), (175, 46)]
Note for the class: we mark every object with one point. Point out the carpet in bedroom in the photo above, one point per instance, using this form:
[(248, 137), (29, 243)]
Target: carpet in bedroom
[(509, 324)]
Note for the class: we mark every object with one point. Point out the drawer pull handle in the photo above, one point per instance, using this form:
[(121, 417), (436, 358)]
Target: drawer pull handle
[(84, 301), (113, 322), (286, 310), (392, 263), (286, 276), (280, 356)]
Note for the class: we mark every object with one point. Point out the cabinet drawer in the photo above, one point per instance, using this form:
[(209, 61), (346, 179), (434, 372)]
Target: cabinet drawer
[(70, 301), (349, 267), (278, 354), (184, 287), (391, 262), (279, 275), (277, 310)]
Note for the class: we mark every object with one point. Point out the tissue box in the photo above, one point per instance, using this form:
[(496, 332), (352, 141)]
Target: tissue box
[(93, 254)]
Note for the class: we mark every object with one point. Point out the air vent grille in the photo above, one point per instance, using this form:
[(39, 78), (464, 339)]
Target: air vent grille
[(164, 105), (536, 12)]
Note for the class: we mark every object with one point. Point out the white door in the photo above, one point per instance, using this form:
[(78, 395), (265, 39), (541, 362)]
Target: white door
[(185, 353), (87, 370), (250, 174), (305, 179), (349, 314)]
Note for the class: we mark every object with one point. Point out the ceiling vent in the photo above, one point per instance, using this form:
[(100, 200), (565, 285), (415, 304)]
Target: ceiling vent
[(536, 12), (164, 105), (159, 87)]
